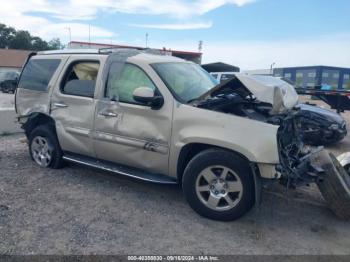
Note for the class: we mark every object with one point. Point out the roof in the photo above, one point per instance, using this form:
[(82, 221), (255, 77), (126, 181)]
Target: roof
[(220, 67), (134, 47), (13, 58)]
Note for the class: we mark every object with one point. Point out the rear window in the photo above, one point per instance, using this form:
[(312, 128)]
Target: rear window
[(38, 73)]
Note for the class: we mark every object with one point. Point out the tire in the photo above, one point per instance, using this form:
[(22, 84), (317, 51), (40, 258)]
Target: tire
[(335, 187), (236, 193), (37, 145)]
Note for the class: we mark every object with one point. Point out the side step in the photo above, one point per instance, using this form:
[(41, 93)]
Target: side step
[(119, 169)]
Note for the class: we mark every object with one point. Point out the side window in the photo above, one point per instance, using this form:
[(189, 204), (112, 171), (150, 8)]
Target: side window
[(38, 73), (122, 87), (80, 79)]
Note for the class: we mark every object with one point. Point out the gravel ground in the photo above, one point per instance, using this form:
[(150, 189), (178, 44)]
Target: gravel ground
[(77, 210)]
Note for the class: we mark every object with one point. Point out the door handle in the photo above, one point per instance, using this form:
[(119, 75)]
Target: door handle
[(108, 114), (59, 105)]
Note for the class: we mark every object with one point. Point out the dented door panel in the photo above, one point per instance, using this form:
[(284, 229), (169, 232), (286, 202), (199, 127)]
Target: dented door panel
[(138, 136), (135, 135), (74, 115)]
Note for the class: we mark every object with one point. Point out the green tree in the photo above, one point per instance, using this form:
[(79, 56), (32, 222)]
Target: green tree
[(55, 44), (11, 38), (21, 40), (6, 35), (38, 44)]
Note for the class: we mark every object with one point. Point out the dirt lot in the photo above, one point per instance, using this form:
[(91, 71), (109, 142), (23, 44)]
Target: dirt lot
[(77, 210)]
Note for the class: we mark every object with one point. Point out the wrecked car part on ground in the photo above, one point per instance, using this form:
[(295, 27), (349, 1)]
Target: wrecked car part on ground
[(163, 119)]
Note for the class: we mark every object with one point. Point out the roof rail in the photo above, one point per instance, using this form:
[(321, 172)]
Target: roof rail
[(69, 51), (108, 50)]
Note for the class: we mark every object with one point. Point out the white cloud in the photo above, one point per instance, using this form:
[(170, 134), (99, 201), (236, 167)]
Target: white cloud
[(88, 9), (15, 13), (331, 50), (177, 26), (27, 15)]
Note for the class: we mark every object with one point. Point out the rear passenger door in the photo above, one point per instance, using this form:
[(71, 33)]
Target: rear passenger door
[(73, 103)]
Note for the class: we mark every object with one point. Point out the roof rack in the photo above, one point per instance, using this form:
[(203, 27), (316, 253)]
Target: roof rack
[(69, 51), (108, 50)]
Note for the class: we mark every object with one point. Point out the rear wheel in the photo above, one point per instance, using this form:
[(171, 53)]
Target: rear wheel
[(335, 187), (44, 147), (219, 185)]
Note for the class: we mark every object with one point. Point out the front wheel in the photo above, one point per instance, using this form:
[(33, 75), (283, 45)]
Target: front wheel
[(219, 185)]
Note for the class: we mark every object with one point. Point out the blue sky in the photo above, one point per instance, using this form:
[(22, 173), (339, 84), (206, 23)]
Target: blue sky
[(249, 33)]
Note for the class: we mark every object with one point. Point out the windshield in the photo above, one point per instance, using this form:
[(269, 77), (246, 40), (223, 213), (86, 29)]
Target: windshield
[(187, 81)]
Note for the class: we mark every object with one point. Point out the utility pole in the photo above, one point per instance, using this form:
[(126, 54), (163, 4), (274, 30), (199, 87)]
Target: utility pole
[(146, 40), (89, 35), (200, 46), (69, 33), (271, 67)]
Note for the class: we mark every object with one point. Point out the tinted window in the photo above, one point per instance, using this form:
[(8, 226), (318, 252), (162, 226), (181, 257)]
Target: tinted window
[(122, 87), (306, 78), (330, 79), (38, 73), (80, 79)]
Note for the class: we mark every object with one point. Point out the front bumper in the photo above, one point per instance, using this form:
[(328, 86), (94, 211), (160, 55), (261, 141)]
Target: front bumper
[(268, 171)]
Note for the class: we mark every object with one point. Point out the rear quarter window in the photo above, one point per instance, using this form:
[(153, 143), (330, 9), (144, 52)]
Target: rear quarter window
[(37, 74)]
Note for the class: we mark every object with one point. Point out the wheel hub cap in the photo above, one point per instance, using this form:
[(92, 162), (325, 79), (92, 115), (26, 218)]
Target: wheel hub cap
[(41, 151), (219, 188)]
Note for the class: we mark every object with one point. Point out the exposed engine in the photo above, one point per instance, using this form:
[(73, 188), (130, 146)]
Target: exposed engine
[(295, 168)]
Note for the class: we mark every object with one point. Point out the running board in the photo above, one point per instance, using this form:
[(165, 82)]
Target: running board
[(119, 169)]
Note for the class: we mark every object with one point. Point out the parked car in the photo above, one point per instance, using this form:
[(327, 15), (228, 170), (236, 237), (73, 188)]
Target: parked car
[(8, 82), (320, 126), (165, 120), (222, 76)]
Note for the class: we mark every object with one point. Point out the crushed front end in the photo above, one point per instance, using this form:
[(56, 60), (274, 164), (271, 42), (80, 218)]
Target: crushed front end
[(296, 166)]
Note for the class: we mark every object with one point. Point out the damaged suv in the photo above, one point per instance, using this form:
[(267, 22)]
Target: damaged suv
[(162, 119)]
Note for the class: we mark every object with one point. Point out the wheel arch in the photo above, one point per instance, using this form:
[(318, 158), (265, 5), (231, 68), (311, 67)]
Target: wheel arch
[(190, 150), (37, 119)]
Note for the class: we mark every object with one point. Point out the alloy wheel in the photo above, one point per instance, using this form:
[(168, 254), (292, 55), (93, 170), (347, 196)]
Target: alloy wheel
[(219, 188)]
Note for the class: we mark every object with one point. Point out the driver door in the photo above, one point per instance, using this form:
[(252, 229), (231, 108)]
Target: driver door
[(128, 132)]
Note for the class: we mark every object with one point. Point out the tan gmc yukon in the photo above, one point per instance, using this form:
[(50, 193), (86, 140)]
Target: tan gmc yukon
[(162, 119)]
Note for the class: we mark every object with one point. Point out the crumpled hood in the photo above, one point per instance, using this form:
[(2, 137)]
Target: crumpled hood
[(280, 94)]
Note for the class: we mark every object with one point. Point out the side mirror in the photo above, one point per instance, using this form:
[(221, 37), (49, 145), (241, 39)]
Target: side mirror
[(146, 96)]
